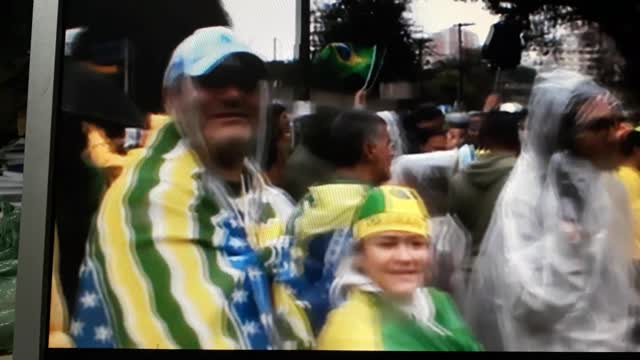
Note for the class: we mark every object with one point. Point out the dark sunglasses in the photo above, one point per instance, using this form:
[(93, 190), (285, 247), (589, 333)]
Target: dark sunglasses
[(601, 124), (243, 72), (220, 79)]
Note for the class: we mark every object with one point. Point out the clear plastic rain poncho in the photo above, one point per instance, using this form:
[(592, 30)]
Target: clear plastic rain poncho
[(256, 188), (262, 211), (554, 270), (429, 174)]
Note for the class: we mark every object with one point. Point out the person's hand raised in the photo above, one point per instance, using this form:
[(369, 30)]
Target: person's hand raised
[(492, 102), (360, 100)]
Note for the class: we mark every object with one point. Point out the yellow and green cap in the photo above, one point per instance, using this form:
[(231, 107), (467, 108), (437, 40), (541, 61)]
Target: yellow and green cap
[(391, 208)]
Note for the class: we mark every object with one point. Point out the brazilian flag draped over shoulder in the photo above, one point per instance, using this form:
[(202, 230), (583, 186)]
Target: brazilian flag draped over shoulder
[(345, 66)]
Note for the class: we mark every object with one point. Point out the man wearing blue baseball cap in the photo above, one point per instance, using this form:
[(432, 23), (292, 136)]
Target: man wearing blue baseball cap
[(183, 255)]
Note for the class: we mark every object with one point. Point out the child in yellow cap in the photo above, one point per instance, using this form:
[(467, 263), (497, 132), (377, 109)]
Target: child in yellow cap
[(386, 306)]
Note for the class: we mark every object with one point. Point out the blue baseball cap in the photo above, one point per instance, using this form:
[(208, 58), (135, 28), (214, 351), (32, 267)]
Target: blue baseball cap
[(202, 52)]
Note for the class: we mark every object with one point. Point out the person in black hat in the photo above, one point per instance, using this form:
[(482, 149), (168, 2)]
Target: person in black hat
[(431, 140), (309, 162), (475, 189), (425, 120), (279, 138)]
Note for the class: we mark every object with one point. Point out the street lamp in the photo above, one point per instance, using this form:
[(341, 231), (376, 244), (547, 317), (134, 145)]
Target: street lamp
[(458, 104)]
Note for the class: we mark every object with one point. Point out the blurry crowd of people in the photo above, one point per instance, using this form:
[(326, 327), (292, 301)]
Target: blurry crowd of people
[(233, 222)]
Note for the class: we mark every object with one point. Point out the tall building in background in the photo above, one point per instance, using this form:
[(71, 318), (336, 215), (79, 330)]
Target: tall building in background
[(445, 43), (583, 48)]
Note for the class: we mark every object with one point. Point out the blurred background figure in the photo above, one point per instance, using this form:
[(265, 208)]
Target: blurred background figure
[(310, 161), (279, 135), (475, 122), (380, 286), (457, 125), (88, 155), (427, 119), (474, 190), (431, 140)]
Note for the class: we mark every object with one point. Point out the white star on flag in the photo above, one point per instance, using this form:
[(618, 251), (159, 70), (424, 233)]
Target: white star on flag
[(282, 310), (304, 304), (76, 327), (289, 289), (239, 296), (250, 328), (266, 320), (285, 267), (89, 300), (254, 273), (236, 243), (83, 269), (103, 334)]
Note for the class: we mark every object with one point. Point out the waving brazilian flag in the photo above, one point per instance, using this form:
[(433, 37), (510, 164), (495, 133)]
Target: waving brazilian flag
[(344, 63)]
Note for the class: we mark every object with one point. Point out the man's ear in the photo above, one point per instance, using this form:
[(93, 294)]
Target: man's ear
[(171, 99), (369, 151)]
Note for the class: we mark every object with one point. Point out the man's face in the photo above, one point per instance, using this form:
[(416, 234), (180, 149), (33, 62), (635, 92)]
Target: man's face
[(597, 138), (228, 113), (455, 138), (382, 155), (600, 147), (224, 116), (396, 261), (435, 143)]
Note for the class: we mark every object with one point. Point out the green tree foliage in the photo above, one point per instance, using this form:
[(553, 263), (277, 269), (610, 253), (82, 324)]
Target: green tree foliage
[(441, 82), (441, 85), (617, 19)]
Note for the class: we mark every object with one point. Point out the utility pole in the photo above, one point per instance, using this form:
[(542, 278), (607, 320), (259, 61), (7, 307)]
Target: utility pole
[(303, 26), (275, 49), (422, 41), (459, 104)]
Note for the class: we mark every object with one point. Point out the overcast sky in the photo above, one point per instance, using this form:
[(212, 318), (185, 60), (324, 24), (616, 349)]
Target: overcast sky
[(259, 22)]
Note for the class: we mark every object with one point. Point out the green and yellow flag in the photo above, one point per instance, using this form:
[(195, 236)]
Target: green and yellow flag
[(344, 61), (369, 322)]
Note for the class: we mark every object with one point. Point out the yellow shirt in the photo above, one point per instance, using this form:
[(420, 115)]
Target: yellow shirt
[(59, 317), (630, 177)]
